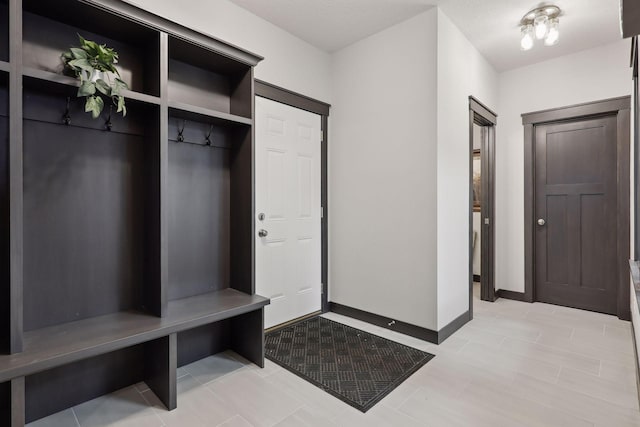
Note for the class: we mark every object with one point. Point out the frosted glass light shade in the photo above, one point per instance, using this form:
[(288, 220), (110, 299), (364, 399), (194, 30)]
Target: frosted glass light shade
[(554, 32), (526, 42), (541, 24)]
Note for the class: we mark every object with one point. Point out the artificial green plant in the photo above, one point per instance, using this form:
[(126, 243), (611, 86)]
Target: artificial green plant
[(95, 66)]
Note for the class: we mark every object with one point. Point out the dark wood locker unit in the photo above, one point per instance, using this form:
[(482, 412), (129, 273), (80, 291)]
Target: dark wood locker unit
[(127, 249)]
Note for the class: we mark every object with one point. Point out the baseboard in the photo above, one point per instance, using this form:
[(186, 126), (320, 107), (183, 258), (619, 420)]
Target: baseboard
[(516, 296), (477, 278), (435, 337)]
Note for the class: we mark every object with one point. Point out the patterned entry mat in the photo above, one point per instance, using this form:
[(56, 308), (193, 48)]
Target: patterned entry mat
[(355, 366)]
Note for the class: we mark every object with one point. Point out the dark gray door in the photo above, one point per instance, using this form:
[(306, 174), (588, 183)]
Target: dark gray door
[(575, 205)]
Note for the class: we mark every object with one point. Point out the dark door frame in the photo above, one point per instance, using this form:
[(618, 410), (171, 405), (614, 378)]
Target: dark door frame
[(293, 99), (619, 107), (481, 115)]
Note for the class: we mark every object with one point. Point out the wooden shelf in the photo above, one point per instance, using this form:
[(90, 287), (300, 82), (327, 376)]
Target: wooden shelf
[(4, 66), (61, 344), (49, 79), (200, 114)]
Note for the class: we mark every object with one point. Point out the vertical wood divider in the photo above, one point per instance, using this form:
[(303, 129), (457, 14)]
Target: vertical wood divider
[(15, 177), (161, 369), (164, 170), (17, 402)]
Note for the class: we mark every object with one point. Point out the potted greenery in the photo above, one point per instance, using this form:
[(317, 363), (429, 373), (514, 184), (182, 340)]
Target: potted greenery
[(94, 65)]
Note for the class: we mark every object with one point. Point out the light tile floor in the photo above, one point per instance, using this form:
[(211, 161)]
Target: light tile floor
[(515, 364)]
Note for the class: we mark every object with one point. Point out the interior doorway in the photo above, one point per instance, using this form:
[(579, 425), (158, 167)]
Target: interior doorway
[(482, 129)]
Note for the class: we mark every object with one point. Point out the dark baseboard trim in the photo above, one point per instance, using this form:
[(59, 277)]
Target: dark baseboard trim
[(477, 278), (635, 351), (516, 296), (435, 337)]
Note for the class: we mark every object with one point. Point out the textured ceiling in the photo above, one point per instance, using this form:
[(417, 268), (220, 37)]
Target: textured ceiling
[(491, 25), (333, 24)]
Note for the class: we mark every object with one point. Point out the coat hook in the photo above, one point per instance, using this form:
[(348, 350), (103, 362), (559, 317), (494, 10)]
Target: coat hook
[(208, 138), (108, 123), (180, 132), (66, 118)]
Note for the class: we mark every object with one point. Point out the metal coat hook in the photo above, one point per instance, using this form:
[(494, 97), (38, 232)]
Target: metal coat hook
[(108, 123), (66, 118), (181, 131), (208, 137)]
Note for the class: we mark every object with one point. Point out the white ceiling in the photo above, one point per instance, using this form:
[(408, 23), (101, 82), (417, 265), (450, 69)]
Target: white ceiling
[(491, 25)]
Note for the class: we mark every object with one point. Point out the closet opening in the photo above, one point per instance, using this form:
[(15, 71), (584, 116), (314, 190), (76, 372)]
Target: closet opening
[(482, 128)]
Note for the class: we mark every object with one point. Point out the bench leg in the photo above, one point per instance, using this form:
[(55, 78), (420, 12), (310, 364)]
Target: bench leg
[(247, 336), (17, 402), (161, 369)]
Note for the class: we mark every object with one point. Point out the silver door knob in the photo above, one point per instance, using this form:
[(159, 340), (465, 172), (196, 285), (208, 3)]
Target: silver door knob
[(263, 233), (541, 221)]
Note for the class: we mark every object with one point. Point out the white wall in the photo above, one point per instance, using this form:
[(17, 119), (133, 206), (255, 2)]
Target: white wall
[(585, 76), (399, 170), (382, 159), (289, 62), (462, 71)]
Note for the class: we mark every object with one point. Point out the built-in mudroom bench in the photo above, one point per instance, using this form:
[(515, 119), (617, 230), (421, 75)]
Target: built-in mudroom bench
[(127, 241)]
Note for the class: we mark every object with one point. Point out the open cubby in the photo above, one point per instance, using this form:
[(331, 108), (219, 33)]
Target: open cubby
[(131, 252), (201, 78), (54, 390), (88, 200), (200, 205), (4, 31), (50, 29)]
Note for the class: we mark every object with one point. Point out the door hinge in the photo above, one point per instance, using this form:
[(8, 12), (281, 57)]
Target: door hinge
[(321, 136), (321, 212), (486, 221)]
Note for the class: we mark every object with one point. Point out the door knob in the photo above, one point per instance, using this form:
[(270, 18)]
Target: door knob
[(541, 221), (263, 233)]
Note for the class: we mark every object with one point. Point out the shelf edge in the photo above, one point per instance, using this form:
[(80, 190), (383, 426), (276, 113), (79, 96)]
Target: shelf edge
[(206, 112), (47, 76)]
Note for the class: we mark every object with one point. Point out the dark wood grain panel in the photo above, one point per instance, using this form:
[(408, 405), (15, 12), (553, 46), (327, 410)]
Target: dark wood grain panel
[(556, 234), (16, 223), (18, 410), (4, 31), (247, 336), (5, 295), (198, 343), (84, 223), (197, 86), (597, 259), (198, 219), (5, 403), (242, 212), (160, 369)]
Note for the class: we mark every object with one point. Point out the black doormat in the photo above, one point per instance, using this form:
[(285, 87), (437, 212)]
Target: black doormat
[(355, 366)]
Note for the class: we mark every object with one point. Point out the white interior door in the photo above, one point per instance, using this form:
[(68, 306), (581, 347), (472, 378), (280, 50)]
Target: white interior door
[(288, 211)]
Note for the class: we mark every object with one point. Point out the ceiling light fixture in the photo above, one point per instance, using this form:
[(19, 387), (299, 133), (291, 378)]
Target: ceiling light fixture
[(540, 23)]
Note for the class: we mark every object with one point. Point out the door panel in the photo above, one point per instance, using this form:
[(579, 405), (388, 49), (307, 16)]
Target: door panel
[(288, 168), (576, 197)]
